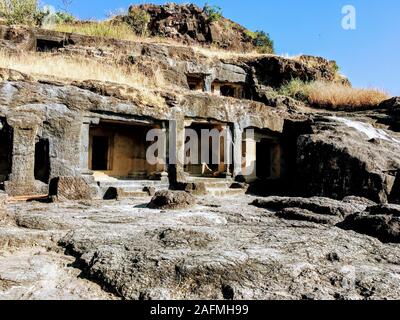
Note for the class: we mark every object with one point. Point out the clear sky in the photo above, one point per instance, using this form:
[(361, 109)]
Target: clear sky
[(368, 55)]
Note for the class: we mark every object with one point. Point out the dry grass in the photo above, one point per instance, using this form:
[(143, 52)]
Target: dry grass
[(103, 29), (80, 69), (122, 31), (334, 95)]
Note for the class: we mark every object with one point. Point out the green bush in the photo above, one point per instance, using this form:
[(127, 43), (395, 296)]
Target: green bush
[(214, 13), (139, 20), (296, 89), (64, 17), (19, 11), (262, 41)]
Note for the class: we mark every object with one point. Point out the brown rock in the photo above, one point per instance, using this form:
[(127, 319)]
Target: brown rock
[(171, 200), (70, 188)]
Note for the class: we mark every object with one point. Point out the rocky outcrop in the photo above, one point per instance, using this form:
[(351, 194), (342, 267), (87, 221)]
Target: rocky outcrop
[(343, 157), (381, 222), (190, 24), (391, 109), (172, 200), (274, 71)]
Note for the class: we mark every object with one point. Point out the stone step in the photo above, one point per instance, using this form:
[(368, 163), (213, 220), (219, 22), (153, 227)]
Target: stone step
[(129, 189), (213, 183), (132, 184), (225, 192), (132, 195)]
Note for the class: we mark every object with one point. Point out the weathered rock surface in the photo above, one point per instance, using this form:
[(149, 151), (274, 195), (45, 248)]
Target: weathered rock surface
[(4, 217), (343, 158), (274, 71), (171, 200), (306, 215), (381, 222), (391, 109), (221, 243), (36, 274), (322, 206), (191, 25), (3, 200)]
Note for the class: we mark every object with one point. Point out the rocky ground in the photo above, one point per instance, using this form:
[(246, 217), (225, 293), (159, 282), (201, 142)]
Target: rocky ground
[(239, 247)]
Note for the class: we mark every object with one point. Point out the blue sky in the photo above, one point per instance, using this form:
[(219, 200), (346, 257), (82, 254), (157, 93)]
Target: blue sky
[(369, 55)]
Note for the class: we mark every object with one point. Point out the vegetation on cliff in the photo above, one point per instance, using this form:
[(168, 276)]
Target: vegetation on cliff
[(332, 94)]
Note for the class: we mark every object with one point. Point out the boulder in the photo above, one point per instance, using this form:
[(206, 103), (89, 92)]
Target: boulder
[(70, 188), (381, 222), (171, 200)]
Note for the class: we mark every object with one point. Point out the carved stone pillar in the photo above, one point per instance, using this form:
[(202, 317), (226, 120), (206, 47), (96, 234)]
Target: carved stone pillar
[(177, 149), (22, 178), (84, 156), (237, 151)]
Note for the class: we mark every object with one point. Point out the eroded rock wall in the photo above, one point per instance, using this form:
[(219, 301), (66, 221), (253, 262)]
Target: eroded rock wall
[(338, 161)]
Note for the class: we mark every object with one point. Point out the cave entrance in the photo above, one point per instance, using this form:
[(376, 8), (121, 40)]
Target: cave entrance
[(118, 150), (42, 160), (101, 153), (234, 90), (6, 146), (264, 159), (195, 82), (210, 157), (263, 153)]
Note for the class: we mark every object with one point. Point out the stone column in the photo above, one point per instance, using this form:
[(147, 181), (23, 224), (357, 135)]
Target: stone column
[(208, 80), (84, 155), (226, 151), (22, 178), (237, 152), (177, 149)]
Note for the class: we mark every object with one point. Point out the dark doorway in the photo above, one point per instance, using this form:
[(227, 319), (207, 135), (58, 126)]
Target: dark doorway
[(100, 153), (264, 159), (228, 91), (42, 160), (6, 145)]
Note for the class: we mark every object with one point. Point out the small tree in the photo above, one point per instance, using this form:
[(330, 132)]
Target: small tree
[(214, 13), (139, 20), (19, 11), (262, 41)]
